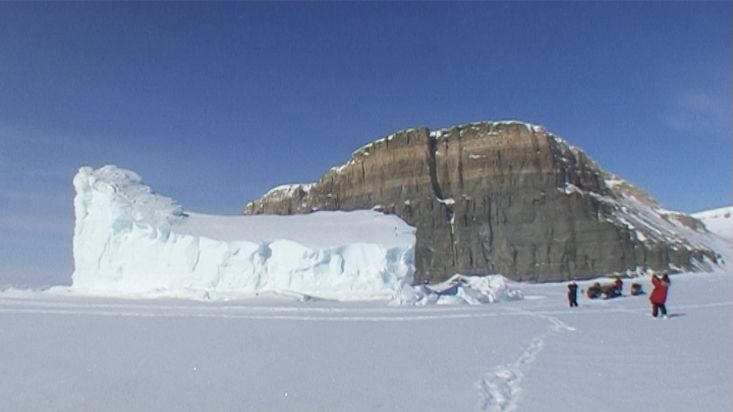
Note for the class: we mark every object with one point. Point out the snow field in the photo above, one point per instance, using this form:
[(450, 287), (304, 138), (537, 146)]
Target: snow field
[(718, 221), (276, 352)]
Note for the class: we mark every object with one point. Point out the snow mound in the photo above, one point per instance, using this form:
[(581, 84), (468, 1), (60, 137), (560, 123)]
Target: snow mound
[(459, 289), (129, 240), (718, 221)]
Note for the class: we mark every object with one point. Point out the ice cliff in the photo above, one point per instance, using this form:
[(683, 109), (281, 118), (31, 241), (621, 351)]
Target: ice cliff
[(130, 240)]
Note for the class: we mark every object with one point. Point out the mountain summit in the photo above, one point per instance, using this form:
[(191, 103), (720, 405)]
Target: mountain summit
[(503, 197)]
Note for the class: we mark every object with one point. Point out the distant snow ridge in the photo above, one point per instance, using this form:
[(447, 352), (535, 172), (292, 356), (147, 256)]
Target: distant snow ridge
[(718, 221), (129, 240)]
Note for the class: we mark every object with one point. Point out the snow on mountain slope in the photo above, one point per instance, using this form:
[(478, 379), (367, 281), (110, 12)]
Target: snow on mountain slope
[(129, 240), (718, 221)]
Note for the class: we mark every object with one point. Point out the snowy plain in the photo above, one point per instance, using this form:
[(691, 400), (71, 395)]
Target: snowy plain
[(62, 351)]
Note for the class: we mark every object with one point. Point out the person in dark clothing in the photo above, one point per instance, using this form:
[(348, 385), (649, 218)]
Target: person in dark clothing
[(658, 296), (573, 294), (594, 291), (618, 284)]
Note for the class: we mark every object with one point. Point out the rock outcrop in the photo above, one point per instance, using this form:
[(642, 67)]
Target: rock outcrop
[(502, 197)]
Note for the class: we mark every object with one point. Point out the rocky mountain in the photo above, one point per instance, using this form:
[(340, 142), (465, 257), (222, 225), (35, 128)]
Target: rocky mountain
[(503, 197)]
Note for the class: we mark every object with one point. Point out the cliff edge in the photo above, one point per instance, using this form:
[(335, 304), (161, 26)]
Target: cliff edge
[(503, 197)]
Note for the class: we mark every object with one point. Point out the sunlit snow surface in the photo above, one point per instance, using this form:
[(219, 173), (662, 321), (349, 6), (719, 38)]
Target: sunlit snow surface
[(278, 353), (718, 221), (131, 241)]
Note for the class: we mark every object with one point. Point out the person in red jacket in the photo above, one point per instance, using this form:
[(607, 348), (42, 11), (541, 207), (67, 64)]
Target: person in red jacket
[(659, 294)]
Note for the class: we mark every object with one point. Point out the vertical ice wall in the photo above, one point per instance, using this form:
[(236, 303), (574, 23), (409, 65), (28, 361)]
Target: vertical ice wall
[(129, 240)]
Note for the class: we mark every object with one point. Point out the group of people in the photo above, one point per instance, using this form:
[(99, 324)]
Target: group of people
[(608, 290), (658, 297)]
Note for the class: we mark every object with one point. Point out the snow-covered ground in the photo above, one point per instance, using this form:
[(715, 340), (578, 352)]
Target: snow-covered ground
[(61, 351), (719, 221)]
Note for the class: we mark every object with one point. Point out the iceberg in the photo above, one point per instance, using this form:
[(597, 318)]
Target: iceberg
[(129, 240)]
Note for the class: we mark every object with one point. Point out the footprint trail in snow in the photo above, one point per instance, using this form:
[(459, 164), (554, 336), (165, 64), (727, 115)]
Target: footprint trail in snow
[(501, 389)]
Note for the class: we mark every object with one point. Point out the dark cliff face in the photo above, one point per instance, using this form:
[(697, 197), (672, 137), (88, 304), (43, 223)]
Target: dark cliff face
[(499, 197)]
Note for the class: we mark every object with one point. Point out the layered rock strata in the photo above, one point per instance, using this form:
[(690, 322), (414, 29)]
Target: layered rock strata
[(502, 197)]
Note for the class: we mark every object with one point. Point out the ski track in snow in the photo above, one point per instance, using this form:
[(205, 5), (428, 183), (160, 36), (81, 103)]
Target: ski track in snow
[(374, 314), (501, 389)]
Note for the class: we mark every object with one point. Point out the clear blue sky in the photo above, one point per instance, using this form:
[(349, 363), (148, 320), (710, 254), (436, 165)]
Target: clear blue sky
[(213, 104)]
